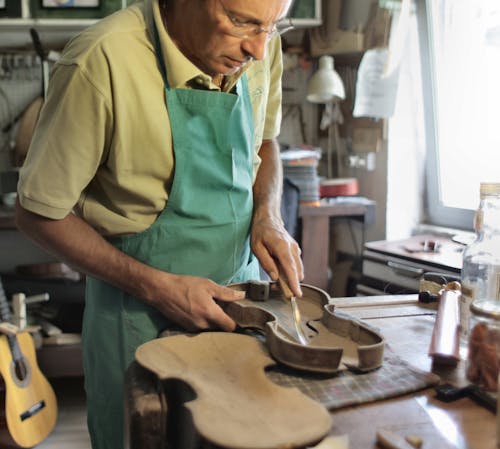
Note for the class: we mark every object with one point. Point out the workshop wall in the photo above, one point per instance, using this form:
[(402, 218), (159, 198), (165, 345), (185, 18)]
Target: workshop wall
[(396, 180), (300, 125)]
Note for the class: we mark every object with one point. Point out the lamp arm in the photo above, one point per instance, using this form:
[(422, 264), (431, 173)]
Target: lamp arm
[(329, 151)]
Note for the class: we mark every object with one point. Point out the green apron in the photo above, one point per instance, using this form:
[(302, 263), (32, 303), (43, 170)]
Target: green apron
[(203, 231)]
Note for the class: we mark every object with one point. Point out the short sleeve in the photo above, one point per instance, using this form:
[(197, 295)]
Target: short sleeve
[(68, 144)]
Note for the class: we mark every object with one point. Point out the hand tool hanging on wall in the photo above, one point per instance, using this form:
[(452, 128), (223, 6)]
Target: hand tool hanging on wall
[(35, 37)]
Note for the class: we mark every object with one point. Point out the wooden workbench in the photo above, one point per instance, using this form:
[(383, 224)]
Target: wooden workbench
[(407, 327)]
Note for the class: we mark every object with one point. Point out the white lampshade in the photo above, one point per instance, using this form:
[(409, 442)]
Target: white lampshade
[(325, 85)]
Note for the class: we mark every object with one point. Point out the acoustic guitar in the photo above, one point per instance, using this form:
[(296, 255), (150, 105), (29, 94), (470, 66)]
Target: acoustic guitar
[(30, 402)]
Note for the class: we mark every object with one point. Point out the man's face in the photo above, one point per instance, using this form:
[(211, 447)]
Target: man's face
[(223, 35)]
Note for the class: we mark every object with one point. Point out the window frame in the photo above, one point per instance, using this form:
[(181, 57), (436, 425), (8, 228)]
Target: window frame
[(436, 213)]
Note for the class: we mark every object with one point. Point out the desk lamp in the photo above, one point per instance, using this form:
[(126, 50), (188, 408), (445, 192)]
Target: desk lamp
[(326, 87)]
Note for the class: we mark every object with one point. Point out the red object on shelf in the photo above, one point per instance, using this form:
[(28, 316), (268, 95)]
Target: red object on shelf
[(338, 187)]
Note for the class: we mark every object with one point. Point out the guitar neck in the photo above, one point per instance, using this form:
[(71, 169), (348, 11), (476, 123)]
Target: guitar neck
[(15, 350), (6, 316)]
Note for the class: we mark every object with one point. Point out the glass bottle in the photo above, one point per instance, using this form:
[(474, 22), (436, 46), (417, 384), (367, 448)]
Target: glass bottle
[(480, 276)]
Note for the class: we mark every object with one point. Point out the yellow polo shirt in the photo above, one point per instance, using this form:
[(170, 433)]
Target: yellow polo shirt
[(103, 144)]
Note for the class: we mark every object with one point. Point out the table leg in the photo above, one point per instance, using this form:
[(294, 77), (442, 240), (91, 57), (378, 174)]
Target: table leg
[(315, 250)]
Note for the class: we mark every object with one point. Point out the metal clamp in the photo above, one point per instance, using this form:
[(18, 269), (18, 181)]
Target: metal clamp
[(19, 303)]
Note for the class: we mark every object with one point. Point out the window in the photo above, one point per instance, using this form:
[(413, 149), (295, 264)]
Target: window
[(462, 101)]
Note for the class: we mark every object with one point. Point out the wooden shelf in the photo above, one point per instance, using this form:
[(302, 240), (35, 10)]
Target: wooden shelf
[(45, 23), (53, 32)]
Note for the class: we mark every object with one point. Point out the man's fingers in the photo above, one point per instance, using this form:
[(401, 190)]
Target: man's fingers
[(298, 264), (290, 273), (268, 264), (224, 321), (228, 294), (217, 319)]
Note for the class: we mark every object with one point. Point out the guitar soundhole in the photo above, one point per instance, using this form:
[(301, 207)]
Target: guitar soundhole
[(20, 372)]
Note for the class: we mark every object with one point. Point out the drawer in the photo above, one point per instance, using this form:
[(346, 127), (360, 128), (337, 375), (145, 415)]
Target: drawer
[(392, 272), (393, 275)]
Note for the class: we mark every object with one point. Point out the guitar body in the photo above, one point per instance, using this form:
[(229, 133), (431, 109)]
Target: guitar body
[(30, 402)]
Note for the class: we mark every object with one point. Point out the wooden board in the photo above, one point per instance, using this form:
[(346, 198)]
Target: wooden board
[(229, 398)]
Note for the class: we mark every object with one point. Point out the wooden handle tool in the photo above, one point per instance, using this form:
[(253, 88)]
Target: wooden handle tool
[(297, 319), (444, 346)]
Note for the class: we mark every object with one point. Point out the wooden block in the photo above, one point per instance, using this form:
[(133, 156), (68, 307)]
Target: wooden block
[(145, 412), (334, 442), (391, 440)]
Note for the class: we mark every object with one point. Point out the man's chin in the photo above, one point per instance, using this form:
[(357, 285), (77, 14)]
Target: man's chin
[(233, 67), (233, 71)]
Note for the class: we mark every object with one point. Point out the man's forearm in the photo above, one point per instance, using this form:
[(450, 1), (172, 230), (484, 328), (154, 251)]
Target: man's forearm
[(75, 242), (268, 183)]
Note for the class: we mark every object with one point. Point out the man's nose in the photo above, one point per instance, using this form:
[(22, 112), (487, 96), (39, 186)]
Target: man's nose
[(256, 46)]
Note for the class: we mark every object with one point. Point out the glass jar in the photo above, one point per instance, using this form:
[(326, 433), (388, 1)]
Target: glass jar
[(480, 275), (483, 360)]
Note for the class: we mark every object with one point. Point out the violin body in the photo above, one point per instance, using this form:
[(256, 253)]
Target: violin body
[(336, 341)]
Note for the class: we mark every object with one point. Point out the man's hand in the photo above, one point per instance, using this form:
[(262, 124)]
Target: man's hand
[(191, 302), (277, 252)]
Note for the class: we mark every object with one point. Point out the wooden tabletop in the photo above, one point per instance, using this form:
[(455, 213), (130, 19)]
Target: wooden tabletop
[(447, 253), (407, 327)]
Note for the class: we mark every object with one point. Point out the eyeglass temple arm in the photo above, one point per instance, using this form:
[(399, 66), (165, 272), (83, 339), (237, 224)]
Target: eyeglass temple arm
[(287, 24)]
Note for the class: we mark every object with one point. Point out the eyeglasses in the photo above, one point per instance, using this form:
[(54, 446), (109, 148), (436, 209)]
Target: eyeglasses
[(245, 29)]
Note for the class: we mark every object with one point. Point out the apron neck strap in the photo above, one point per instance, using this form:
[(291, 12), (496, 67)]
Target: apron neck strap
[(159, 55)]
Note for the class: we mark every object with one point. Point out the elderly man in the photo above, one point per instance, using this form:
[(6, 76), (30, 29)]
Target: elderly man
[(155, 170)]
